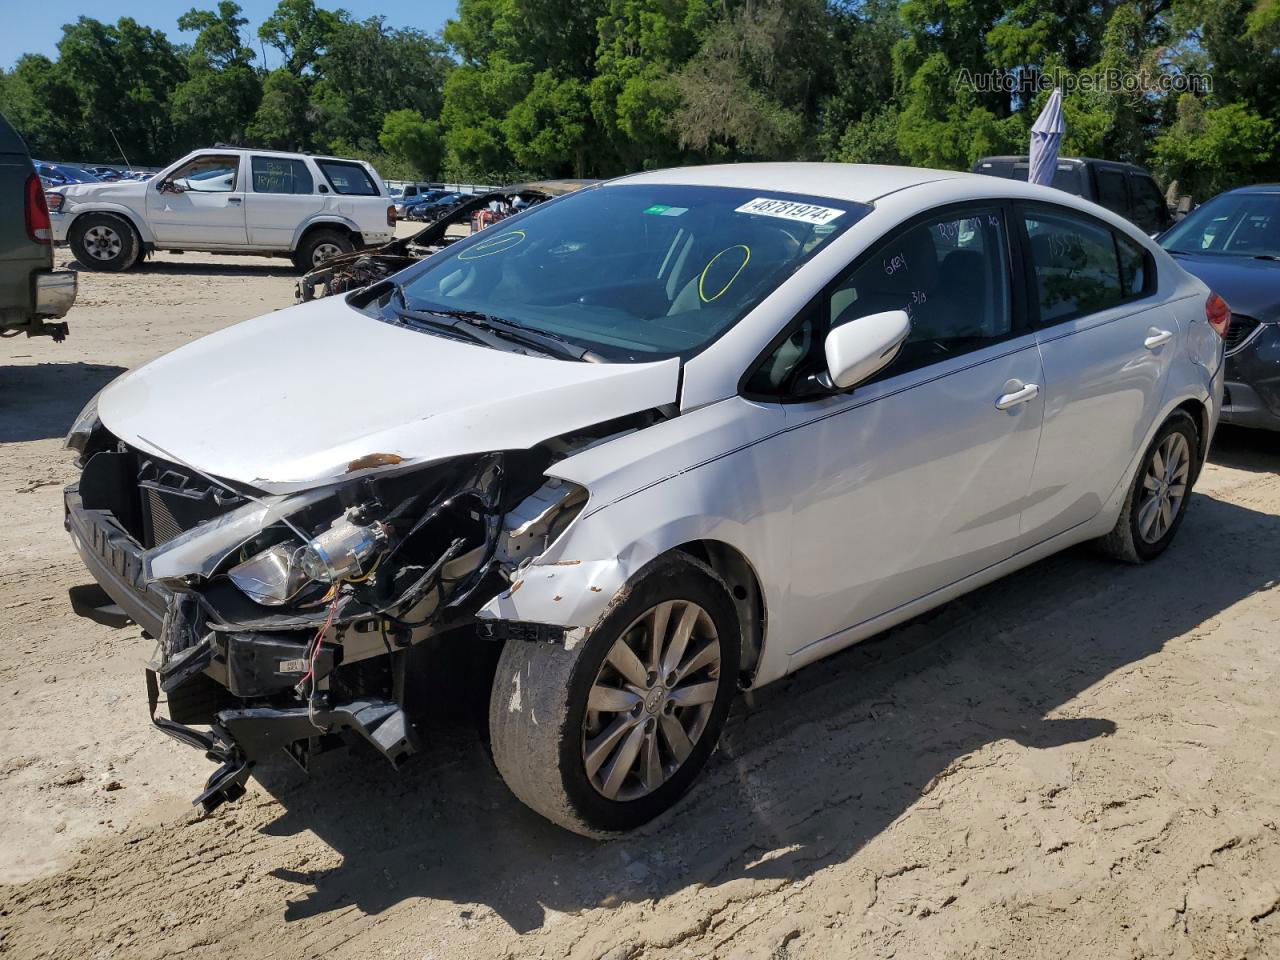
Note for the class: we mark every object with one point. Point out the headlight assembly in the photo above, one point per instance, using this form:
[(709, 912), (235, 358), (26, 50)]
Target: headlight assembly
[(83, 427), (271, 578)]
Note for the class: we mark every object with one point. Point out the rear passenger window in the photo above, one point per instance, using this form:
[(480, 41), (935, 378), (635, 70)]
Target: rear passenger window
[(1076, 266), (281, 175), (1111, 192), (347, 178)]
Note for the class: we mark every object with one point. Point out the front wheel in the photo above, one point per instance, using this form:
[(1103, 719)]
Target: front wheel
[(604, 735), (1158, 497), (101, 241)]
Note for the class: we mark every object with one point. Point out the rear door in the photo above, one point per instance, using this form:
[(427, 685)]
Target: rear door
[(1106, 346), (200, 203), (282, 194)]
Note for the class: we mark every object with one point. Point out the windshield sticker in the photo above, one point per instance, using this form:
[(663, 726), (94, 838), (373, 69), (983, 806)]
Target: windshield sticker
[(663, 210), (790, 210), (498, 244)]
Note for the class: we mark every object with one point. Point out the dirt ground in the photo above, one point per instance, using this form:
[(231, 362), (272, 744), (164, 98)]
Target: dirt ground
[(1079, 761)]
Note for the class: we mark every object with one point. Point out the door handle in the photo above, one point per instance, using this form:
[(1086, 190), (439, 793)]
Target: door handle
[(1157, 338), (233, 199), (1027, 392)]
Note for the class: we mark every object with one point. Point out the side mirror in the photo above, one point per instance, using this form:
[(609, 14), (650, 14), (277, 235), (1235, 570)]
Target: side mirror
[(858, 349)]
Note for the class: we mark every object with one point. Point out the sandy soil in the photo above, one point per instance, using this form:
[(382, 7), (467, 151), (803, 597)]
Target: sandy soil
[(1079, 761)]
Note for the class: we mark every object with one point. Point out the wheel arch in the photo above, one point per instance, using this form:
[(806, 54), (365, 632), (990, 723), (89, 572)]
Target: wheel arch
[(116, 210), (326, 222), (739, 575)]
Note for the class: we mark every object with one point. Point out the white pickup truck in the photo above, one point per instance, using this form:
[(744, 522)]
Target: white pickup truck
[(228, 200)]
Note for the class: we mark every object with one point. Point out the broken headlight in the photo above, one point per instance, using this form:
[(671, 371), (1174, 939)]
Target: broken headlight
[(84, 426), (279, 573), (340, 552), (271, 578)]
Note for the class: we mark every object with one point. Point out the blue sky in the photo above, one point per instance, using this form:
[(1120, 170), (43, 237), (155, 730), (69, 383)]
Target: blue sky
[(36, 29)]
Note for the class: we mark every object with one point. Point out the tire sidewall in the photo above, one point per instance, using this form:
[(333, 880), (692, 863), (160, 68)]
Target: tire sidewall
[(1178, 423), (683, 580), (129, 242), (306, 251)]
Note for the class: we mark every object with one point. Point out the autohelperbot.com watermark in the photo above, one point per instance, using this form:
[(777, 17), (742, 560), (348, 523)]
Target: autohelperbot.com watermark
[(1111, 80)]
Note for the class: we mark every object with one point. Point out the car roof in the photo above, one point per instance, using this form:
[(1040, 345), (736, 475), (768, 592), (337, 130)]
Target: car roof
[(857, 182), (1255, 188)]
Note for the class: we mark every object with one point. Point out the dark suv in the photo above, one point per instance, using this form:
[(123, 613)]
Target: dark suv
[(1123, 188), (32, 293)]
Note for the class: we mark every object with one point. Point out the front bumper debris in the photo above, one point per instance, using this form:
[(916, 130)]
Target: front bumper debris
[(240, 738)]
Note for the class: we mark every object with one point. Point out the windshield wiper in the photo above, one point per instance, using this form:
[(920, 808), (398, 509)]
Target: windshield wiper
[(1266, 256), (492, 331)]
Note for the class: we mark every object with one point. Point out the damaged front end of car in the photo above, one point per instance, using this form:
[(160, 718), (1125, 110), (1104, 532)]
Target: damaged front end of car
[(286, 622)]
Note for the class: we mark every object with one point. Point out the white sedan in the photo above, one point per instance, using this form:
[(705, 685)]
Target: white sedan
[(649, 444)]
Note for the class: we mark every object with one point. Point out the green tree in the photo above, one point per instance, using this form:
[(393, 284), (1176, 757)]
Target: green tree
[(366, 71), (300, 31), (756, 81), (122, 77), (284, 119), (218, 100), (549, 129), (44, 108), (408, 135), (1211, 149)]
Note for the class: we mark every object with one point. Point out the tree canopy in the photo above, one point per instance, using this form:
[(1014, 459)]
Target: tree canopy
[(516, 88)]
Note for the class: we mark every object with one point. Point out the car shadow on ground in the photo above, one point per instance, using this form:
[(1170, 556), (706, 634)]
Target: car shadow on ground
[(178, 267), (41, 401), (1241, 448), (817, 767)]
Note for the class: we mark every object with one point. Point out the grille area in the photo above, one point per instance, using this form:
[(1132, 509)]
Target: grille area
[(173, 500), (1240, 329)]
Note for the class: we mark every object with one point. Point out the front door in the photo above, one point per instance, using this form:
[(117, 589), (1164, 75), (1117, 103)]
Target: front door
[(201, 204), (915, 480)]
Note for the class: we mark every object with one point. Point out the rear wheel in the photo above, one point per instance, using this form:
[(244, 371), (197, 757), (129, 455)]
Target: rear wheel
[(1157, 500), (101, 241), (319, 246), (604, 735)]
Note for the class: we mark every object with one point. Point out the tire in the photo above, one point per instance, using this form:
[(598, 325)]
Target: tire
[(542, 726), (102, 241), (1144, 529), (320, 245)]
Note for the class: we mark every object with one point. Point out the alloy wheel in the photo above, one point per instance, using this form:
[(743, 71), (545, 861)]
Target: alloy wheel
[(1164, 487), (323, 252), (651, 700), (102, 243)]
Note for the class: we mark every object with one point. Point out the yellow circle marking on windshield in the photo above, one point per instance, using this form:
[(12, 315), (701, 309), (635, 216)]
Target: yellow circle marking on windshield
[(702, 279), (487, 248)]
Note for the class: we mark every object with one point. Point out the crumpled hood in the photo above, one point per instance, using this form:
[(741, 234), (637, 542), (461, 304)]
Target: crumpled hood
[(286, 401)]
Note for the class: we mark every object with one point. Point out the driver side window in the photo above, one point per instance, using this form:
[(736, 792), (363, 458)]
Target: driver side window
[(951, 276), (210, 173)]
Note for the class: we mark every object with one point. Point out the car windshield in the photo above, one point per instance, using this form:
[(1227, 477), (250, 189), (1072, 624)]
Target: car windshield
[(1234, 224), (632, 272)]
